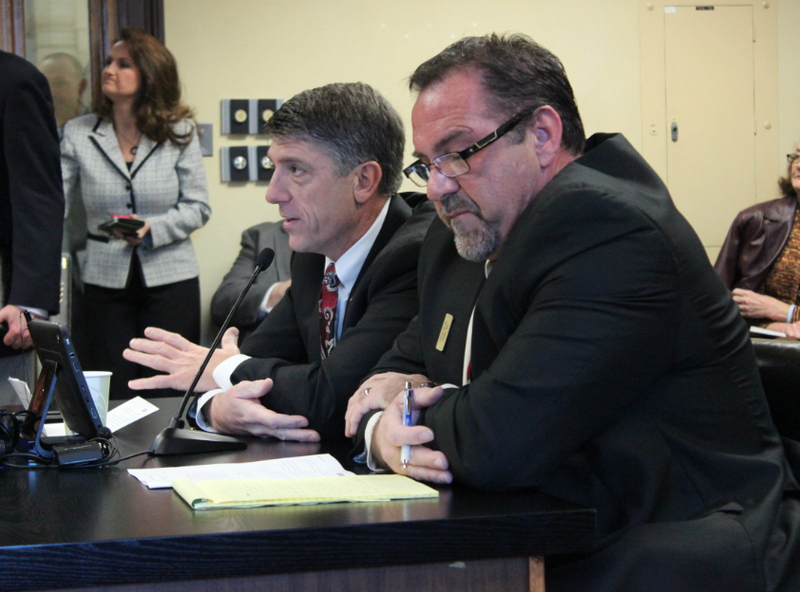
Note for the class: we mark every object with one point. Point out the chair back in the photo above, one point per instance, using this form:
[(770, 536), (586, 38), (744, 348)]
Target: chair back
[(779, 366)]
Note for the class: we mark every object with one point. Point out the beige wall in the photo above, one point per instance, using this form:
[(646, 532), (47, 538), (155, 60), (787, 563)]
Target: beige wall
[(788, 75), (276, 48)]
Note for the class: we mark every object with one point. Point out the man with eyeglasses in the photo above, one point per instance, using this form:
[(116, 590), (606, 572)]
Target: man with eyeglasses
[(579, 340)]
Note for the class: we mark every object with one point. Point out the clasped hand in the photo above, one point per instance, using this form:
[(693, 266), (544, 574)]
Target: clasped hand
[(376, 393), (390, 435), (385, 391), (133, 238), (179, 358)]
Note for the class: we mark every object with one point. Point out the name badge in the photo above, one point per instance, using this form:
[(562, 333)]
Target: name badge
[(448, 322)]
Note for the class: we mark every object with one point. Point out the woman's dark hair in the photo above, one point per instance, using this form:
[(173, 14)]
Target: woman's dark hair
[(158, 106)]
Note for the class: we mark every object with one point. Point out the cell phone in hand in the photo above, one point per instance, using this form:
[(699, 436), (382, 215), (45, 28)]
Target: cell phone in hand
[(124, 224)]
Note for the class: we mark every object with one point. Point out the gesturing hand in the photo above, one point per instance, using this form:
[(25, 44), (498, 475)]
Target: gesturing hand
[(179, 358)]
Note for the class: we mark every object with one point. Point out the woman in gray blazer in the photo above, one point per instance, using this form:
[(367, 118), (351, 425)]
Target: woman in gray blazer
[(137, 156)]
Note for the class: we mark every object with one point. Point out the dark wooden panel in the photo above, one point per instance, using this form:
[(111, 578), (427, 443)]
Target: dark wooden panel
[(147, 15), (102, 32), (473, 576), (12, 26)]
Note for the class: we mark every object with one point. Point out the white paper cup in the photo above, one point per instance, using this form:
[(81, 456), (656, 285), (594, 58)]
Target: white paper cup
[(99, 382)]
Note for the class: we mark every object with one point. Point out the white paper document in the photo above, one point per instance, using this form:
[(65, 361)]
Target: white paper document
[(118, 418), (316, 465), (23, 392), (760, 332), (128, 412)]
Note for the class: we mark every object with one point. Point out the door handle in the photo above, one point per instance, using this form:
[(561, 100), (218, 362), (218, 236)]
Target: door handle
[(674, 131)]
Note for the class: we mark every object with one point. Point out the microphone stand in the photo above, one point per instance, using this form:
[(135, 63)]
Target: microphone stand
[(175, 439)]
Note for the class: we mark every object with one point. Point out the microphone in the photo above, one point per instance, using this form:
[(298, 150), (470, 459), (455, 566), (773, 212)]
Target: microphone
[(174, 439)]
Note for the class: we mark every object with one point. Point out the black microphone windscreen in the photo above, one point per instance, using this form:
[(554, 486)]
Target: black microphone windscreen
[(265, 258)]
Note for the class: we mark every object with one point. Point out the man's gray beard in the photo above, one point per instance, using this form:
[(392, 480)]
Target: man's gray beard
[(474, 245)]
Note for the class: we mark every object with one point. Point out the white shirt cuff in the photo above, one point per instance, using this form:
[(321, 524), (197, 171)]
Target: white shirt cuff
[(200, 418), (373, 421), (39, 312), (263, 310), (222, 373)]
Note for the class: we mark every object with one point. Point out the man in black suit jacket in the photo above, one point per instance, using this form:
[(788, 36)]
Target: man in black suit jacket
[(338, 155), (31, 202), (590, 349)]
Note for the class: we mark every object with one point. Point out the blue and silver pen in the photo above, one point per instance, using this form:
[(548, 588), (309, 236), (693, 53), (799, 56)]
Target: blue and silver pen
[(408, 399)]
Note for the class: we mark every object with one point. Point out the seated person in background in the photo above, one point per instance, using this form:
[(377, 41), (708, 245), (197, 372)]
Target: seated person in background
[(584, 345), (266, 291), (338, 153), (760, 259)]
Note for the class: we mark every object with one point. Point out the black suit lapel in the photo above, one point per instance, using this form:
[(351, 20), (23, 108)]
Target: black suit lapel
[(307, 272)]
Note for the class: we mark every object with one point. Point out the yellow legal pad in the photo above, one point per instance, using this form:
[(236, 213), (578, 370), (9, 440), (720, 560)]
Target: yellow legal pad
[(251, 493)]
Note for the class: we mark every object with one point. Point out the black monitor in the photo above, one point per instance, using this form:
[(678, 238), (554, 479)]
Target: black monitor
[(63, 383)]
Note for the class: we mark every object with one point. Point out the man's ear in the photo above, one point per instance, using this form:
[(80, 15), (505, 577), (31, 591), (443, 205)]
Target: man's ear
[(368, 176), (546, 129)]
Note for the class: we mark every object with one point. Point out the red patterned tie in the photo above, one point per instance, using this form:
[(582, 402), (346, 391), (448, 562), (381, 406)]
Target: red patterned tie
[(328, 299)]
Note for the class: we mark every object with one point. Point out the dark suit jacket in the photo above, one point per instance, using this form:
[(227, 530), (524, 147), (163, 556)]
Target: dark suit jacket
[(254, 240), (31, 194), (611, 368), (383, 300)]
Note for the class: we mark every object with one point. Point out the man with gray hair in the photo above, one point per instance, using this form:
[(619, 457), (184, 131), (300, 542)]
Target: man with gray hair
[(338, 153), (584, 345)]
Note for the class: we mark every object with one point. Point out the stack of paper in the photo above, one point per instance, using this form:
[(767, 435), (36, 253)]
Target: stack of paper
[(315, 465), (314, 479)]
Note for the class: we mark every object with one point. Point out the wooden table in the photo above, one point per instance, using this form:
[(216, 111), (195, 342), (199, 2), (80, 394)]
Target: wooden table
[(91, 528)]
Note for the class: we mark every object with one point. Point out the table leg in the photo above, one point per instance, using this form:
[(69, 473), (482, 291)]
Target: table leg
[(536, 574)]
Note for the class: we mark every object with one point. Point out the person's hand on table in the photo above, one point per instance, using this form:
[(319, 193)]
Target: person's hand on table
[(759, 306), (238, 412), (375, 393), (179, 358), (791, 329), (390, 435)]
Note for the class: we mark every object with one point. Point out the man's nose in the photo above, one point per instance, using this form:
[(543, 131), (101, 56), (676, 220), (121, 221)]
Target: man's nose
[(274, 193), (439, 185)]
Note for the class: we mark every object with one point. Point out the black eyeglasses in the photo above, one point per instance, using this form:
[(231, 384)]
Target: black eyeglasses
[(454, 164), (790, 157)]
